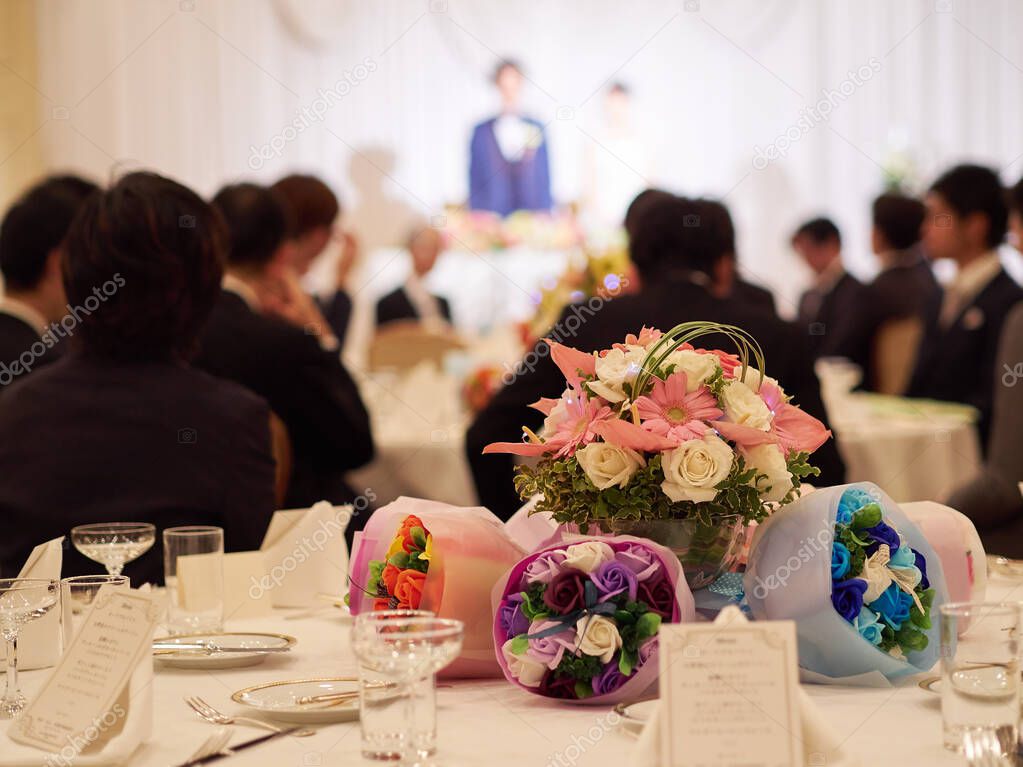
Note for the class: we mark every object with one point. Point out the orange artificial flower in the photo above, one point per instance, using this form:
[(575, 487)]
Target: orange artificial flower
[(381, 604), (405, 533), (390, 577), (409, 589)]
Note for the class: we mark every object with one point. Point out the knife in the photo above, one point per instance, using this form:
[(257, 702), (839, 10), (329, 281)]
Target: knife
[(232, 750)]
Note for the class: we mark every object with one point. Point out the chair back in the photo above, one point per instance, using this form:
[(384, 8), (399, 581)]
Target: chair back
[(404, 344), (894, 354)]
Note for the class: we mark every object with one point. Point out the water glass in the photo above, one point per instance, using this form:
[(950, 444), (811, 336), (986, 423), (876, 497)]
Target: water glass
[(21, 600), (114, 544), (379, 700), (77, 595), (403, 654), (193, 566), (980, 674)]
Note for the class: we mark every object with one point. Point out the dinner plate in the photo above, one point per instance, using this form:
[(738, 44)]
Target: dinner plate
[(277, 700), (931, 684), (636, 715), (1009, 568), (233, 639)]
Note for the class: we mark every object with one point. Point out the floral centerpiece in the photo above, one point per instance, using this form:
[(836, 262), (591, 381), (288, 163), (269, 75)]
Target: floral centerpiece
[(578, 620), (664, 440), (860, 580)]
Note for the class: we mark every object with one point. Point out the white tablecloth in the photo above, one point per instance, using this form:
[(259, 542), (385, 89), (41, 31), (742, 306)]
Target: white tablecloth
[(493, 723)]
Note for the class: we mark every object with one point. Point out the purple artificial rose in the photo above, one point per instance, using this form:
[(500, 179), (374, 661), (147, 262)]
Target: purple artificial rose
[(659, 596), (510, 617), (545, 567), (921, 565), (882, 533), (610, 679), (646, 650), (612, 578), (847, 597), (549, 650), (641, 560), (566, 593)]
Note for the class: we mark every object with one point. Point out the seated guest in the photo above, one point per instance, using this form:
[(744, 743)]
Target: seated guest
[(965, 222), (674, 262), (33, 301), (412, 301), (826, 308), (312, 210), (727, 282), (122, 428), (267, 334), (992, 500)]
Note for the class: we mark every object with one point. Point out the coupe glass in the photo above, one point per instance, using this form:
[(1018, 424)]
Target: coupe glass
[(114, 544), (405, 651), (21, 600)]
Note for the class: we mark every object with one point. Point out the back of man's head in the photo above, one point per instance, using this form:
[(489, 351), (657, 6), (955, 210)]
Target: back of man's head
[(257, 224)]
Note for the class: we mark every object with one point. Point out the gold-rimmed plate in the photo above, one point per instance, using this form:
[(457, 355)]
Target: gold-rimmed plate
[(279, 700), (636, 715), (261, 645), (931, 684)]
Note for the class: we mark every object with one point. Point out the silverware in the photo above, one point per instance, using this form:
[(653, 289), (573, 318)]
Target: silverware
[(210, 648), (339, 697), (240, 747), (210, 714), (214, 744)]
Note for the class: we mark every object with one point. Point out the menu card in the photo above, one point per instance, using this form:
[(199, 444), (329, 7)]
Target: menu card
[(93, 672), (729, 695)]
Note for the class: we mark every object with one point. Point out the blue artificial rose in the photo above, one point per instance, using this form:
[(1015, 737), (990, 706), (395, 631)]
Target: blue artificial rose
[(847, 597), (905, 559), (921, 565), (868, 626), (882, 533), (839, 561), (852, 501), (893, 605)]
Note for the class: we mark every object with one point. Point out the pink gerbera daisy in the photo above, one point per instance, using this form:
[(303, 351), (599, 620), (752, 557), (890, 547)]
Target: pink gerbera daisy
[(669, 412)]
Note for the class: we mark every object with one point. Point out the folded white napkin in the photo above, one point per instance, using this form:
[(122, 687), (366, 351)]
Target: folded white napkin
[(306, 553), (39, 643), (821, 744)]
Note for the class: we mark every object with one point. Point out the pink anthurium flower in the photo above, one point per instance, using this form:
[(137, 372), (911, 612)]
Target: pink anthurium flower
[(572, 362), (670, 412), (627, 434)]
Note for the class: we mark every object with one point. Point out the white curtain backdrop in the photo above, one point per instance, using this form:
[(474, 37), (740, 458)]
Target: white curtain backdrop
[(190, 87)]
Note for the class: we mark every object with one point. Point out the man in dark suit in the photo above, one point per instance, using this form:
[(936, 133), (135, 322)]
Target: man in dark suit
[(313, 210), (727, 282), (33, 302), (674, 262), (122, 429), (267, 334), (412, 301), (508, 169), (827, 308), (966, 222)]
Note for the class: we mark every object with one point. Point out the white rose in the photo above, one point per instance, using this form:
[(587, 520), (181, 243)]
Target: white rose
[(614, 370), (699, 368), (607, 465), (528, 671), (769, 460), (597, 636), (754, 378), (692, 469), (588, 556), (742, 405)]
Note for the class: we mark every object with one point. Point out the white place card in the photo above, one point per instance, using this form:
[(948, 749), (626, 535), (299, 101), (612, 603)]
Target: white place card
[(93, 673), (730, 695)]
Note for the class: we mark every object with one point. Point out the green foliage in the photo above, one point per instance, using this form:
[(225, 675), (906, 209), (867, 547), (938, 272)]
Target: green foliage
[(920, 619), (647, 626), (533, 606), (866, 517), (627, 661), (581, 667), (418, 536), (399, 559), (520, 644), (376, 567)]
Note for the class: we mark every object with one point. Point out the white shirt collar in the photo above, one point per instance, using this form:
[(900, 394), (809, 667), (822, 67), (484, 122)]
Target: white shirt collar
[(234, 284), (25, 313), (975, 276), (426, 304)]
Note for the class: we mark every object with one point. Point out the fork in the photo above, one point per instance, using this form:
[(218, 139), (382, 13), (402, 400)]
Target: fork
[(210, 714), (214, 744)]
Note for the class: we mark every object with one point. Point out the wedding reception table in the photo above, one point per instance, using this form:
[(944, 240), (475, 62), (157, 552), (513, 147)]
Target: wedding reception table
[(494, 723)]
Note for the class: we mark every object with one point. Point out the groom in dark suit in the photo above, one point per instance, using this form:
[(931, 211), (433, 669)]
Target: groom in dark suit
[(508, 168)]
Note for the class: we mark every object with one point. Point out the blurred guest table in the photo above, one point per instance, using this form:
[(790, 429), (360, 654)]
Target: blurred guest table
[(495, 723)]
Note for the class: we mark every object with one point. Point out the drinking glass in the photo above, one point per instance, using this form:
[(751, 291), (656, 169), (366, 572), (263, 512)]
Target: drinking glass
[(21, 600), (403, 651), (114, 544), (378, 696), (980, 685), (193, 567), (77, 594)]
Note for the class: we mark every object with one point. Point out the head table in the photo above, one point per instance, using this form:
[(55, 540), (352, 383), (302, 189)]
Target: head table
[(492, 722)]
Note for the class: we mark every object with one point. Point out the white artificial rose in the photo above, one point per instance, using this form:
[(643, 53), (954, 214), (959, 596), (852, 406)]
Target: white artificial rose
[(742, 405), (699, 368), (528, 671), (588, 556), (597, 636), (608, 465), (614, 370), (754, 378), (694, 468), (769, 460)]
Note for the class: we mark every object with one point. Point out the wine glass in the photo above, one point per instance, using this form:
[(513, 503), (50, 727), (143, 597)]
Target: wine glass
[(21, 600), (114, 544), (404, 651)]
